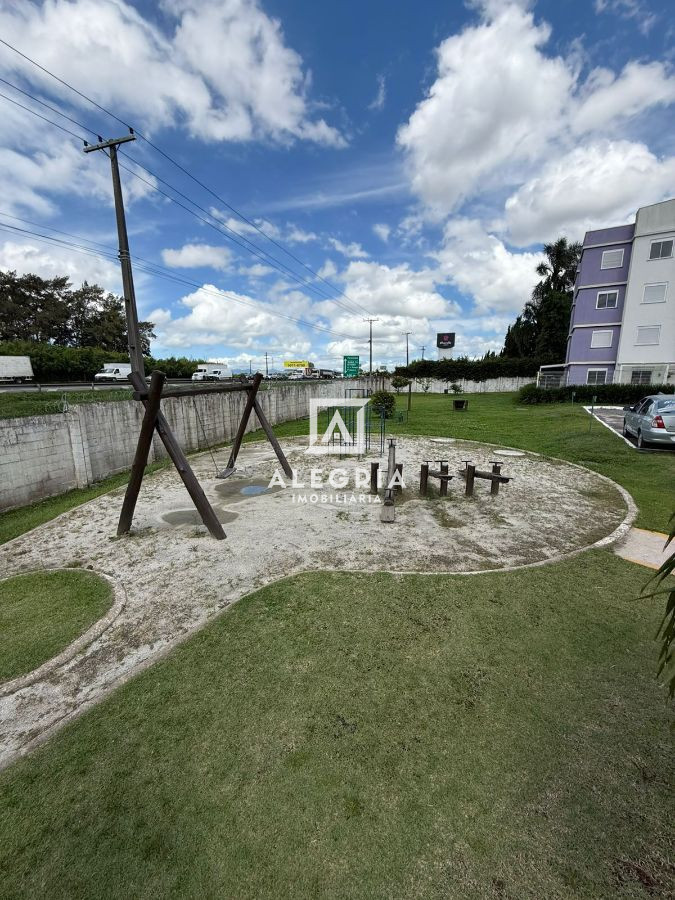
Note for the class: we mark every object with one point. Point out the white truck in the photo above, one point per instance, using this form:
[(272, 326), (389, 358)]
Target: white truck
[(15, 369), (211, 371), (114, 372)]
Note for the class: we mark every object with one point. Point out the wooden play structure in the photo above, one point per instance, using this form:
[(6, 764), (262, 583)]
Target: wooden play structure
[(151, 395)]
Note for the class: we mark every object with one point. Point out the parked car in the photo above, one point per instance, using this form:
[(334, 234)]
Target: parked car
[(651, 421), (114, 372), (16, 369)]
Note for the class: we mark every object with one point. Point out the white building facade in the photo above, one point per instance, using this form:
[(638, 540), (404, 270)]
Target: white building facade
[(646, 349)]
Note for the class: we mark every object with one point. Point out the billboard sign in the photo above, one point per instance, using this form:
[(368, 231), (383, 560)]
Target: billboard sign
[(298, 364), (445, 341), (350, 366)]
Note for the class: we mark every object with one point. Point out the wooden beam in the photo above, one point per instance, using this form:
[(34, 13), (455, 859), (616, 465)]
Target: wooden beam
[(196, 392), (188, 477), (142, 450), (271, 436), (250, 401)]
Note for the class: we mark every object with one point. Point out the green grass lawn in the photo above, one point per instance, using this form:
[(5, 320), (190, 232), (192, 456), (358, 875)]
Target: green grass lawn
[(42, 403), (347, 736), (561, 430), (342, 735), (42, 613)]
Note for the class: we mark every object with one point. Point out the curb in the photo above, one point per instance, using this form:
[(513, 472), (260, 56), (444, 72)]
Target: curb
[(95, 631)]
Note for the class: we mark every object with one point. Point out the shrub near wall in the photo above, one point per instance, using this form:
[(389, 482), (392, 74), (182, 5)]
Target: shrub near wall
[(466, 369), (584, 393)]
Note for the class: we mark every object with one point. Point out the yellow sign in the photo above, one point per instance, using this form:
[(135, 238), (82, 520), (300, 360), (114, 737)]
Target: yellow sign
[(297, 364)]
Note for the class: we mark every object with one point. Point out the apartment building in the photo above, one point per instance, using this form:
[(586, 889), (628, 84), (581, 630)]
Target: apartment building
[(646, 351), (622, 327)]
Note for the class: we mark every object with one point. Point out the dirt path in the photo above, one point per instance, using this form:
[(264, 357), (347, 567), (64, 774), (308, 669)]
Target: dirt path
[(176, 578)]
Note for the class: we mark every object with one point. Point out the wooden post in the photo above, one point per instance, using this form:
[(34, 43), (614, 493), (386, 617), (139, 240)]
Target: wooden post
[(470, 475), (272, 438), (494, 485), (374, 469), (443, 468), (179, 459), (387, 514), (142, 450), (424, 478), (250, 401)]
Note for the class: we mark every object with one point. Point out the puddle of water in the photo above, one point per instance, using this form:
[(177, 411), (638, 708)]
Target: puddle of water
[(192, 517), (235, 489)]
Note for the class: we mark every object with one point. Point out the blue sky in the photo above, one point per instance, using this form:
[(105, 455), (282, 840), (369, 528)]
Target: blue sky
[(414, 155)]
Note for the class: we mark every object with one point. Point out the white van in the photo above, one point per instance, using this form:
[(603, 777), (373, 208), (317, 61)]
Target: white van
[(114, 372), (211, 372), (16, 369)]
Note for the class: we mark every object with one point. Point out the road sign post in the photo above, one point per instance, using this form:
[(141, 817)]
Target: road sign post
[(350, 366)]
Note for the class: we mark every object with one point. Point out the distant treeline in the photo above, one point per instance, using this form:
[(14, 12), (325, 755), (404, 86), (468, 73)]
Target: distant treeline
[(490, 366), (55, 363)]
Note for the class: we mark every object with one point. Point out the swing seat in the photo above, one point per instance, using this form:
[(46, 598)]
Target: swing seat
[(225, 473)]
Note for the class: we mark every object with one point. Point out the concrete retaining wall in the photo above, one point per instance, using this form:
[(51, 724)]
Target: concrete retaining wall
[(41, 456)]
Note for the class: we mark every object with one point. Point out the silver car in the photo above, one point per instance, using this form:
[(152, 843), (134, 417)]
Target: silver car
[(651, 421)]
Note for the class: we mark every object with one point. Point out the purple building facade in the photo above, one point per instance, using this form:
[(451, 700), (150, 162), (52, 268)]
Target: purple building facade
[(597, 310)]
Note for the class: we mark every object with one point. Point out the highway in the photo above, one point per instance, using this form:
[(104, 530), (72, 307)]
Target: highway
[(112, 385)]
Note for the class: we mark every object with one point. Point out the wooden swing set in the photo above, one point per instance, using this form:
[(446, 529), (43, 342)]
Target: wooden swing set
[(151, 395)]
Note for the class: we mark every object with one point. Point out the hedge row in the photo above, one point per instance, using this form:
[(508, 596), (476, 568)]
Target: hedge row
[(52, 363), (584, 393), (470, 369)]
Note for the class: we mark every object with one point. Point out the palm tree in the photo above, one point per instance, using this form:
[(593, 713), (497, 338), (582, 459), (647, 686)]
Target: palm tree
[(559, 271)]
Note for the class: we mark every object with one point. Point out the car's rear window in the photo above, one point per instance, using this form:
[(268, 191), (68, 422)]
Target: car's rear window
[(666, 405)]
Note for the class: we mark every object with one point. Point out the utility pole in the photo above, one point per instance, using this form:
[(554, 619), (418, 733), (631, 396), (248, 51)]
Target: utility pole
[(267, 374), (133, 334), (423, 349), (249, 367), (370, 343), (407, 361), (154, 418)]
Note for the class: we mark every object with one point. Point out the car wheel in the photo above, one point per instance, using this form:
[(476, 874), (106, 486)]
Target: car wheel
[(640, 442)]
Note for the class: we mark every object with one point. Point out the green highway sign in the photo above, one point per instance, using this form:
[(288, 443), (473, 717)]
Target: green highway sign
[(350, 366)]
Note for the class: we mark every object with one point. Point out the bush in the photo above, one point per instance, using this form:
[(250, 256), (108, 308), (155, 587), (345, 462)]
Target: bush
[(455, 388), (398, 382), (384, 403), (584, 393), (471, 369)]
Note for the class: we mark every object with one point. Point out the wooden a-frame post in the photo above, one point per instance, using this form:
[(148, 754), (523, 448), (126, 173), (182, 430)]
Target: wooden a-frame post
[(151, 397), (153, 416)]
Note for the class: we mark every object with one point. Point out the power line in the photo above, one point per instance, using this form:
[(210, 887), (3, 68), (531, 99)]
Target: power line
[(159, 272), (180, 167), (216, 225), (228, 232), (40, 116)]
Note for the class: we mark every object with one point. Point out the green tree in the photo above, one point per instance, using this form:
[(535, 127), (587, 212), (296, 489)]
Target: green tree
[(541, 329)]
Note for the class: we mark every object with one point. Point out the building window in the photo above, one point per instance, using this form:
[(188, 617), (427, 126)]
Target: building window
[(661, 249), (612, 259), (655, 293), (601, 339), (607, 300), (641, 376), (596, 376), (648, 334)]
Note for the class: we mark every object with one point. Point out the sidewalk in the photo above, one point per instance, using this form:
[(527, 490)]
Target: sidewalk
[(646, 548)]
